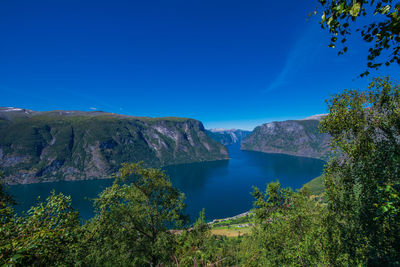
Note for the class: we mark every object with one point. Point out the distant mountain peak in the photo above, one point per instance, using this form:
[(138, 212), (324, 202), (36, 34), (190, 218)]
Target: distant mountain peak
[(218, 130), (13, 109), (10, 109), (227, 136)]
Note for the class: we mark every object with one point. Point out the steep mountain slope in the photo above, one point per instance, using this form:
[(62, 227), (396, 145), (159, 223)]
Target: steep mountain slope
[(293, 137), (74, 145), (227, 137)]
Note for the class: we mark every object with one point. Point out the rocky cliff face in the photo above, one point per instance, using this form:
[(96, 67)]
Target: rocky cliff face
[(293, 137), (74, 145), (228, 137)]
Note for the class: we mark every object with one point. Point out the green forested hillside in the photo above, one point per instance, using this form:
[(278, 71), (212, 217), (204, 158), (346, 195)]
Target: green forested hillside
[(62, 145)]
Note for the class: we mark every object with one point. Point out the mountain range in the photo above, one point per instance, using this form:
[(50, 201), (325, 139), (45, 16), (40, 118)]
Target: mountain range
[(74, 145)]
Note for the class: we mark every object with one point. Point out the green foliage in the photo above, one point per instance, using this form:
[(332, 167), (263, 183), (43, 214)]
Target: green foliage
[(6, 202), (381, 29), (133, 216), (389, 205), (288, 230), (196, 246), (46, 235), (193, 243), (362, 184)]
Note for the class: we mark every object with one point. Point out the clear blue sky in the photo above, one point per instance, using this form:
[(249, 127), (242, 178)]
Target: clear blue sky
[(231, 64)]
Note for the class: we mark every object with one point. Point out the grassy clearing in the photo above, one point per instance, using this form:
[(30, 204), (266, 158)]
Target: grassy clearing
[(232, 227), (316, 185), (232, 232)]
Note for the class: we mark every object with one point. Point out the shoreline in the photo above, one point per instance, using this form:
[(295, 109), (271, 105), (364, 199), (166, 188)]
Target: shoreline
[(229, 218)]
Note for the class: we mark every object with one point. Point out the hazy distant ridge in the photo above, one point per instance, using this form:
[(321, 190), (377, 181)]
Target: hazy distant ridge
[(227, 136)]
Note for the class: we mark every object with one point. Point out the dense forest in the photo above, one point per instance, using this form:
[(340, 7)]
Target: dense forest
[(140, 221)]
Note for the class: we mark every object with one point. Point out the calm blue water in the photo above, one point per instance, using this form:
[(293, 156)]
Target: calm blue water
[(223, 187)]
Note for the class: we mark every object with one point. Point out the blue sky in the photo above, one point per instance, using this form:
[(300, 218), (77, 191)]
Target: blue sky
[(230, 64)]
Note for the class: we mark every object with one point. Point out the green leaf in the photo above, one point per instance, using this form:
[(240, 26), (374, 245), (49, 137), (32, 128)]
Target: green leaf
[(330, 20), (385, 9), (355, 9), (16, 257), (384, 209)]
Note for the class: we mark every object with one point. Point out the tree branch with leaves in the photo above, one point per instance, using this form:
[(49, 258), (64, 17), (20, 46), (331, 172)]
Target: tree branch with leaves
[(380, 28)]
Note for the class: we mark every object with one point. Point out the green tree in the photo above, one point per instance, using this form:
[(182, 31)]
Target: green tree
[(46, 236), (197, 246), (192, 243), (6, 221), (288, 229), (380, 27), (362, 184), (6, 203), (133, 218)]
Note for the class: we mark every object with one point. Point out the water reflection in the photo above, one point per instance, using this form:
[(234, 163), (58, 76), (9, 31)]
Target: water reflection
[(289, 170), (81, 192), (194, 176)]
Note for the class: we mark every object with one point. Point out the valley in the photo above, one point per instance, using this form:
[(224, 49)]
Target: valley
[(215, 168)]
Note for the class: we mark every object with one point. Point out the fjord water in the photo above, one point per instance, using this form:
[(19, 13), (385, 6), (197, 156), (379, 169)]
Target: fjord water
[(222, 188)]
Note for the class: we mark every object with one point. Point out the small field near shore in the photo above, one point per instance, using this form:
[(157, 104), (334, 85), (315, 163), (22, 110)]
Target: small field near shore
[(230, 232), (232, 227)]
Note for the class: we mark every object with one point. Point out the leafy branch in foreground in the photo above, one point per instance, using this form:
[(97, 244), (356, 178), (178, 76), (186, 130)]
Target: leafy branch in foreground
[(380, 27), (47, 235)]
